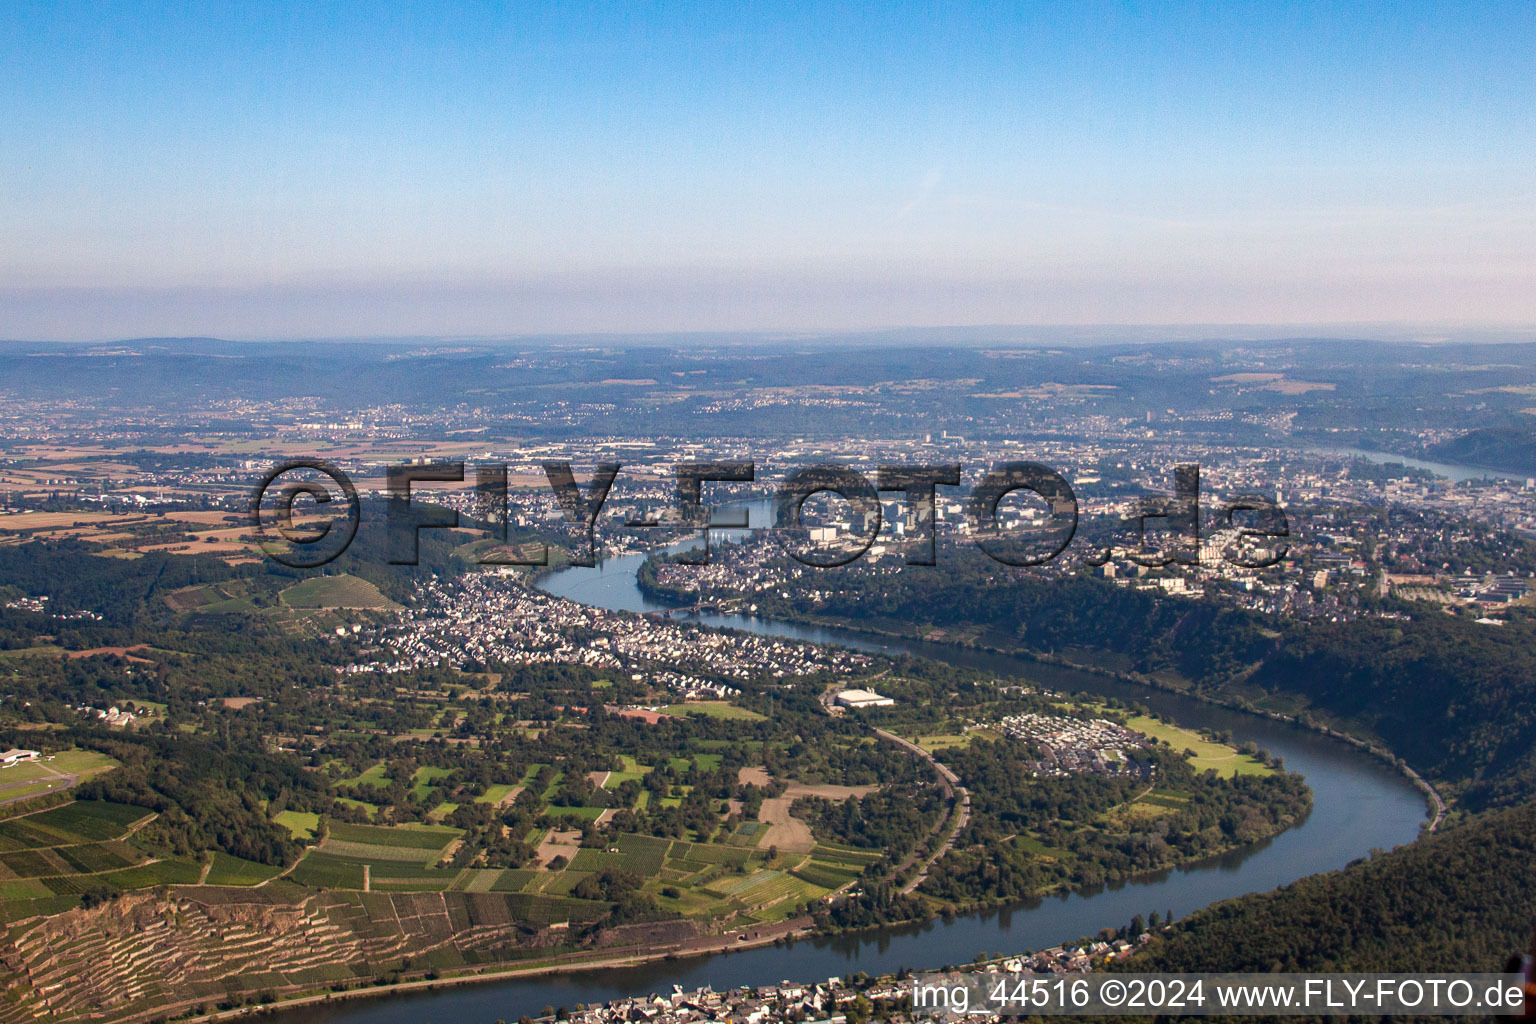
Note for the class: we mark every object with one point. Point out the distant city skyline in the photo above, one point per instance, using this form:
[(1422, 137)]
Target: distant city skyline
[(349, 170)]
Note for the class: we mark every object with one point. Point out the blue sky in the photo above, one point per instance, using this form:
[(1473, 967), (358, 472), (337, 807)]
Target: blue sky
[(287, 170)]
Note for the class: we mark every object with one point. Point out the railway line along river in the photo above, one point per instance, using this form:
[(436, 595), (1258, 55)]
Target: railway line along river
[(1360, 804)]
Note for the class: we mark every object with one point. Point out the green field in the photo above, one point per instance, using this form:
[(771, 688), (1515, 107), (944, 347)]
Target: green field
[(23, 889), (227, 870), (163, 872), (478, 879), (826, 874), (766, 895), (375, 775), (84, 821), (615, 779), (230, 596), (300, 824), (845, 854), (377, 854), (12, 793), (713, 709), (707, 853), (1040, 849), (335, 592), (328, 873), (513, 880), (40, 651), (407, 878), (642, 854), (1154, 805), (1170, 801), (424, 836), (418, 843), (94, 857), (69, 860), (57, 854), (421, 782), (1225, 760), (721, 881), (943, 740)]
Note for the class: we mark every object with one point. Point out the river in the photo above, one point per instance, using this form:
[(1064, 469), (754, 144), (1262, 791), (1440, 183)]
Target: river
[(1360, 804), (1455, 472)]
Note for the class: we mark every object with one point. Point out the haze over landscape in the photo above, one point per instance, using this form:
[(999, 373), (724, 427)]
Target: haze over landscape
[(282, 171)]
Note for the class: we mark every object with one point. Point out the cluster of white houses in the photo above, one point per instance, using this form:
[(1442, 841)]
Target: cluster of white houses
[(487, 618)]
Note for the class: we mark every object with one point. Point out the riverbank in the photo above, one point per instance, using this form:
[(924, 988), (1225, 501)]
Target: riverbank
[(628, 957)]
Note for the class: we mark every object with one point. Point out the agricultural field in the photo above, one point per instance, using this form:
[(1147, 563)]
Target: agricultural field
[(322, 872), (84, 524), (213, 598), (314, 607), (335, 592), (827, 874), (417, 843), (160, 872), (58, 854), (85, 821), (707, 880), (227, 870)]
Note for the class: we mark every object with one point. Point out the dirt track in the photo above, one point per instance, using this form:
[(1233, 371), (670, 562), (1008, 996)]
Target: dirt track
[(785, 831)]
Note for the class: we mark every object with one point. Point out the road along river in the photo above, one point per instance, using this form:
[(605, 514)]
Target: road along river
[(1360, 804)]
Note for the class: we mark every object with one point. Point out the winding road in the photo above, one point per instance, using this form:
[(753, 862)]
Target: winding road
[(960, 803)]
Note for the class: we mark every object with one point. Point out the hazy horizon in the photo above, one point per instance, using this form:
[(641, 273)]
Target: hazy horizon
[(350, 170), (1063, 335)]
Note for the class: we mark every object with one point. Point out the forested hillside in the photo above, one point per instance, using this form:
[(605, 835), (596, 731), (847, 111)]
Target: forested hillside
[(1464, 900)]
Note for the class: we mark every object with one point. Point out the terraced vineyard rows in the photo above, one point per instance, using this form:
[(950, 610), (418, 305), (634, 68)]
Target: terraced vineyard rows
[(189, 948)]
